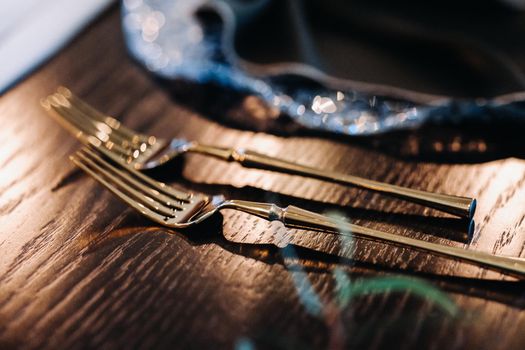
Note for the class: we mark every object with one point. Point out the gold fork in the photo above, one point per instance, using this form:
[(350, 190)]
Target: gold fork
[(177, 208), (146, 152)]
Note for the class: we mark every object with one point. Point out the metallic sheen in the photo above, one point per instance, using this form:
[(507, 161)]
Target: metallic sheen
[(173, 207), (146, 152)]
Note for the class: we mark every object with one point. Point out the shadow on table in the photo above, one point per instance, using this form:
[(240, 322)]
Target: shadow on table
[(465, 142), (305, 259), (309, 260), (312, 260)]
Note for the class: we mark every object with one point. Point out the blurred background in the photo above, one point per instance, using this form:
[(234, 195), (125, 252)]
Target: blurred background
[(388, 61)]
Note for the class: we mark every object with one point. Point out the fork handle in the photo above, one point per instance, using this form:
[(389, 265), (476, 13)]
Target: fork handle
[(295, 217), (456, 205)]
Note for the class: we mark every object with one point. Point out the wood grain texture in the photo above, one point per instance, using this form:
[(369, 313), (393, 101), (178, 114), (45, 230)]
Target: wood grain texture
[(78, 269)]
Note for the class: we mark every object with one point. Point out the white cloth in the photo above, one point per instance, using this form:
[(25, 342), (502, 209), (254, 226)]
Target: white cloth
[(32, 30)]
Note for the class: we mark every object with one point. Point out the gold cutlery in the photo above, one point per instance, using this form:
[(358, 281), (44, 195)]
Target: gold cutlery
[(145, 152), (177, 208)]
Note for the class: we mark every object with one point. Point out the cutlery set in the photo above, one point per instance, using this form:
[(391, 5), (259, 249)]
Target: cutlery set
[(116, 156)]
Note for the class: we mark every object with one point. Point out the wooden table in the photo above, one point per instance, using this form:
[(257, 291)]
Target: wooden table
[(78, 269)]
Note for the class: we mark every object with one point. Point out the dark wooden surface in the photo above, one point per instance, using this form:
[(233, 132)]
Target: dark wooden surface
[(78, 269)]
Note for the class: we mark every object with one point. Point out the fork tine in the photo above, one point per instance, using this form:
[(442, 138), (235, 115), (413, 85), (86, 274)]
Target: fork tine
[(157, 186), (94, 114), (132, 188), (85, 138), (90, 114), (138, 145), (86, 123), (85, 132), (152, 215), (127, 176)]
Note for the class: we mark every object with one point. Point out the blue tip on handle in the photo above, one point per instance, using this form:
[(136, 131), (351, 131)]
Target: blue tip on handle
[(472, 209)]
